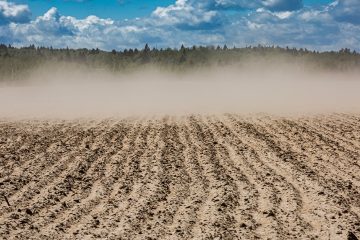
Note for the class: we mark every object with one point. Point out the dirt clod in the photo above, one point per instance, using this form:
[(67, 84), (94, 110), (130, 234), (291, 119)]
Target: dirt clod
[(351, 236), (28, 211)]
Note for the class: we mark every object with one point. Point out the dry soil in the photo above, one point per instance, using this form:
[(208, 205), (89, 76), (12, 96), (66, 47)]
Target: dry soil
[(193, 177)]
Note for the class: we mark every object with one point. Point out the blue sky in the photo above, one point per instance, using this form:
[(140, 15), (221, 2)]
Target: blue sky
[(119, 24), (115, 9)]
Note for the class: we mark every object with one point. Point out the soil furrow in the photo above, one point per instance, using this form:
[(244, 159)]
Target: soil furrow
[(223, 191), (91, 188), (320, 187), (112, 170), (130, 193), (284, 200), (55, 198), (248, 196), (178, 185), (185, 177), (187, 214), (107, 207), (38, 160)]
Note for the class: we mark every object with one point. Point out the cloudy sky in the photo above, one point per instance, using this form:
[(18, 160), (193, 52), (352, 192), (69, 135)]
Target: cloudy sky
[(119, 24)]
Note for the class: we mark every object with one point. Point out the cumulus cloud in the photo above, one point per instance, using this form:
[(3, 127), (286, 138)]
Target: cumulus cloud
[(197, 23), (53, 29), (11, 12), (294, 30), (186, 16), (346, 11), (42, 31)]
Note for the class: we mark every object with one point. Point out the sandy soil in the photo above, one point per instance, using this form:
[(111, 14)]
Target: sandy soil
[(196, 177)]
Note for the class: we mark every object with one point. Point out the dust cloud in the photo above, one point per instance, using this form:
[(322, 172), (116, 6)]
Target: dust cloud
[(78, 92)]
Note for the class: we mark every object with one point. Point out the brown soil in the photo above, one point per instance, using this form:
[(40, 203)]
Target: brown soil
[(197, 177)]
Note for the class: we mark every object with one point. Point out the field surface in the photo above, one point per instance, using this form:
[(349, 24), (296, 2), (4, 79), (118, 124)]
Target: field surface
[(195, 177)]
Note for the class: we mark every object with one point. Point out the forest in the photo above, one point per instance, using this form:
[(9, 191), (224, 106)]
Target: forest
[(17, 62)]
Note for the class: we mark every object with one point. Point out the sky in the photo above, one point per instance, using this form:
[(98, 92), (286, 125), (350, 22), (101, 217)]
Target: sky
[(119, 24)]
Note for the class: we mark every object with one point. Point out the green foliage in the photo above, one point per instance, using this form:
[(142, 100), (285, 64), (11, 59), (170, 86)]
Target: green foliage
[(16, 63)]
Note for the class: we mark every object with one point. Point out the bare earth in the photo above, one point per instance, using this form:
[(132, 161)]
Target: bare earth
[(196, 177)]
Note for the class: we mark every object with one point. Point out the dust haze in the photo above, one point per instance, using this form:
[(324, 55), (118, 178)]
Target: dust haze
[(65, 91)]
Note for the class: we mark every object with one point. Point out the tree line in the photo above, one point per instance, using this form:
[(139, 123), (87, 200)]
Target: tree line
[(15, 62)]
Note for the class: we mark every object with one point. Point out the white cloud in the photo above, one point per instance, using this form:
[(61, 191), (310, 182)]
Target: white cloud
[(283, 15), (346, 11), (184, 15), (11, 12), (308, 28), (191, 24)]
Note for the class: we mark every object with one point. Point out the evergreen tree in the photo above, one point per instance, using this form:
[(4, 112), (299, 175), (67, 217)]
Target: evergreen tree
[(146, 48)]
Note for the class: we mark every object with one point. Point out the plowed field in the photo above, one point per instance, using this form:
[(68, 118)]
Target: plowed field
[(195, 177)]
